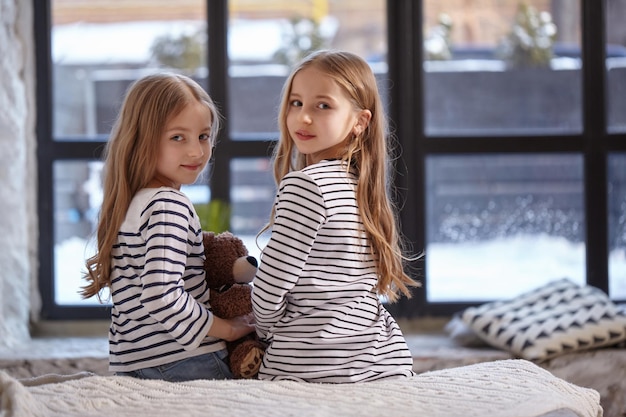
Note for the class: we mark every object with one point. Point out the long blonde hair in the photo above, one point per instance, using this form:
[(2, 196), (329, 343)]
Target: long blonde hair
[(367, 154), (131, 156)]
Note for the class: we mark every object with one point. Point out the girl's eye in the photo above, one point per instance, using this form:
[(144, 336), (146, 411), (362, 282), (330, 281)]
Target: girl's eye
[(296, 103), (205, 137), (177, 138), (323, 106)]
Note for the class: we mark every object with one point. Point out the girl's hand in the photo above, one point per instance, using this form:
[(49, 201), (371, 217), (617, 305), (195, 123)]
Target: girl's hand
[(232, 329)]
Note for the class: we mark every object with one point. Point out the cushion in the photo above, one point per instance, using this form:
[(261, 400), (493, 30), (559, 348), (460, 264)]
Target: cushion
[(557, 318), (461, 334)]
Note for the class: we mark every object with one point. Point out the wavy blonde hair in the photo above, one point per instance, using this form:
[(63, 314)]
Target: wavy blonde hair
[(130, 157), (367, 154)]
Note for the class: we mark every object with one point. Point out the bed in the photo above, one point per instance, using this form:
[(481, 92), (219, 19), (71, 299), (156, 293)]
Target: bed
[(504, 388)]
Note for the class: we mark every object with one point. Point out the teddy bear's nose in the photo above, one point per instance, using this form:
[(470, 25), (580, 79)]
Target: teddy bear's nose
[(253, 261)]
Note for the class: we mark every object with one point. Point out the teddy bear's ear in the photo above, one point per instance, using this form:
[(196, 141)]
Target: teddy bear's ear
[(233, 243), (207, 238)]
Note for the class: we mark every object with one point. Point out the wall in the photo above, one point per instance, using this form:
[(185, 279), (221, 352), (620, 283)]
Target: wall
[(18, 219)]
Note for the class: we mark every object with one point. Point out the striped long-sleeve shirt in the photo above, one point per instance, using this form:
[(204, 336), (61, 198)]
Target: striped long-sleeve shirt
[(160, 298), (314, 295)]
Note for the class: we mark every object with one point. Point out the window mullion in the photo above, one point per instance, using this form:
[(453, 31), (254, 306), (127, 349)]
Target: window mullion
[(217, 23), (406, 113), (595, 137)]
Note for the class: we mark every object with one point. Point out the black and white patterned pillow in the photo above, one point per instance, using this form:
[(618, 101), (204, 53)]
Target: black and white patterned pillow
[(557, 318)]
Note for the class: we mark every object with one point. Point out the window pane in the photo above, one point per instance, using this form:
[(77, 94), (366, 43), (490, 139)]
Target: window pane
[(499, 225), (77, 201), (616, 64), (252, 196), (266, 38), (617, 226), (99, 47), (502, 67)]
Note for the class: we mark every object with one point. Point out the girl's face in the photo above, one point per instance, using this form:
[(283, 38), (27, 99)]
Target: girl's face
[(320, 116), (184, 147)]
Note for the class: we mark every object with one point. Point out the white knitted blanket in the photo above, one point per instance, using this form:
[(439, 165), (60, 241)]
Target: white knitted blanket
[(506, 388)]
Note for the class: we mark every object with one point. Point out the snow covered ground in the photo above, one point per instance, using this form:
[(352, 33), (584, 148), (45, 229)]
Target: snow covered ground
[(487, 270)]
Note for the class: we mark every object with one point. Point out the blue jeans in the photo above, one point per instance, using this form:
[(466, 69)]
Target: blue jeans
[(207, 366)]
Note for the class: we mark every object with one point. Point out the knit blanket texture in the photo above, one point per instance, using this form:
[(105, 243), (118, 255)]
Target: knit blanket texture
[(505, 388)]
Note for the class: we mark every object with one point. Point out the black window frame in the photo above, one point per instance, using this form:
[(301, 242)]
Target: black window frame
[(405, 51), (594, 143)]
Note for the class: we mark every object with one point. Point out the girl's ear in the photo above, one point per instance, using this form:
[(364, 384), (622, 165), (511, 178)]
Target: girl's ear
[(362, 121)]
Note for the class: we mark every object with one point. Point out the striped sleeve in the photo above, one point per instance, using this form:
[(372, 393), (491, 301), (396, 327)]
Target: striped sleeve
[(166, 230), (300, 211)]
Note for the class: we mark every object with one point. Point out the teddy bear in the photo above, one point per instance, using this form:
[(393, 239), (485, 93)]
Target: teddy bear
[(229, 270)]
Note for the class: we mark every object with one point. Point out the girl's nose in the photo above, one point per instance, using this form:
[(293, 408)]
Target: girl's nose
[(196, 149), (305, 116)]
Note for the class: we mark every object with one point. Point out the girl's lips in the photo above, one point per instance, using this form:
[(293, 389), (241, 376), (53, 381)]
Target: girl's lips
[(192, 167), (304, 135)]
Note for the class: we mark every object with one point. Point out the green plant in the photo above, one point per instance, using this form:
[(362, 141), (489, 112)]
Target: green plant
[(530, 42), (214, 216)]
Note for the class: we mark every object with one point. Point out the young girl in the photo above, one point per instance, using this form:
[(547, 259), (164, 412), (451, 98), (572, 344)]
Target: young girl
[(334, 246), (150, 251)]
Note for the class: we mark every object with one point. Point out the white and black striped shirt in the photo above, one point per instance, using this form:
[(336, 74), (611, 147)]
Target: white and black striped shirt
[(160, 298), (314, 295)]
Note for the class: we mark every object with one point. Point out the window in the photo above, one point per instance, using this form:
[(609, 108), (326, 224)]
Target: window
[(512, 160), (94, 51), (240, 51), (501, 72), (616, 166), (510, 221), (617, 224), (266, 38)]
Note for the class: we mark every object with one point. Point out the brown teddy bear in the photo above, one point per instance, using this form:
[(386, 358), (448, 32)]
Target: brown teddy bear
[(229, 271)]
